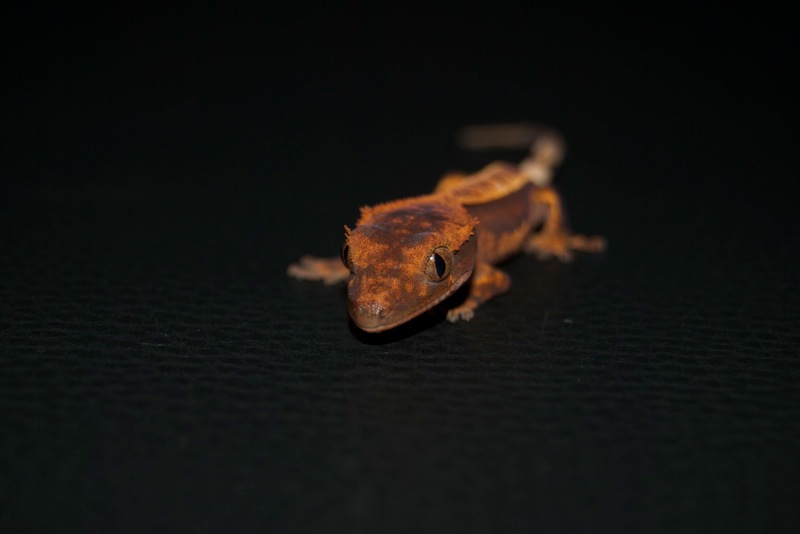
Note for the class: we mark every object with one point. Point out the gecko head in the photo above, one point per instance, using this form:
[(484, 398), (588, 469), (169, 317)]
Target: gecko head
[(405, 257)]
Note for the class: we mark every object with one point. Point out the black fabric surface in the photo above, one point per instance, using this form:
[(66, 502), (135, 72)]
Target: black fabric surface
[(159, 372)]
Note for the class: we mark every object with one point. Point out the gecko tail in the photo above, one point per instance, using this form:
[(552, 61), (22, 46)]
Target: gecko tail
[(513, 136), (547, 148)]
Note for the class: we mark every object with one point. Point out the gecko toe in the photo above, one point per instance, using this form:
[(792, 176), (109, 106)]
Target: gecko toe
[(460, 313)]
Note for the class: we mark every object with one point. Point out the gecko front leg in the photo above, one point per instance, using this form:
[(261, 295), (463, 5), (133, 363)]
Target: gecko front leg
[(487, 283), (327, 270)]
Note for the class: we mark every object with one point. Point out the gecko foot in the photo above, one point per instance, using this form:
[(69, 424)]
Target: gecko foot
[(465, 312), (327, 270), (562, 245)]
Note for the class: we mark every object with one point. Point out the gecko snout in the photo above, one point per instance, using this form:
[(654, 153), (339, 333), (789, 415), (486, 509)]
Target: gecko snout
[(369, 315), (370, 308)]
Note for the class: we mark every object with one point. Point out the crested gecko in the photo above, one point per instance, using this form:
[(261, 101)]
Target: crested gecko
[(406, 256)]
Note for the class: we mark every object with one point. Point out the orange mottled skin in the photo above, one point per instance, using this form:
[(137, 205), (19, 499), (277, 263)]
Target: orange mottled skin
[(404, 257)]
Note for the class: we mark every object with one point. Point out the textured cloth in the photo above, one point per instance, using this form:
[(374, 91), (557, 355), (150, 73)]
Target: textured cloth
[(159, 372)]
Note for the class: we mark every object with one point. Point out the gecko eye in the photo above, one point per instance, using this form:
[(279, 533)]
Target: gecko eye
[(439, 263), (345, 255)]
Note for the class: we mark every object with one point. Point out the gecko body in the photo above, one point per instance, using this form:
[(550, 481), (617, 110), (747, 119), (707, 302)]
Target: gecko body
[(404, 257)]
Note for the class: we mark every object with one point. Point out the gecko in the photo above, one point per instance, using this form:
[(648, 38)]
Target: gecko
[(404, 257)]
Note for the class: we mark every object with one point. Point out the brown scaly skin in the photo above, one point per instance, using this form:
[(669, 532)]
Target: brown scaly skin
[(406, 256)]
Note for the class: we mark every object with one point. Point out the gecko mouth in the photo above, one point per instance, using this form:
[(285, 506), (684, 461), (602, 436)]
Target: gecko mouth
[(374, 324)]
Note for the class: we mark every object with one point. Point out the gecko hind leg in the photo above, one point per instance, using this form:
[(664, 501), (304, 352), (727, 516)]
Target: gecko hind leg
[(554, 239), (487, 283)]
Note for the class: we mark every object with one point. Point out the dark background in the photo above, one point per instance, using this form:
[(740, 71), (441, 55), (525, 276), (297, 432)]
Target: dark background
[(159, 372)]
